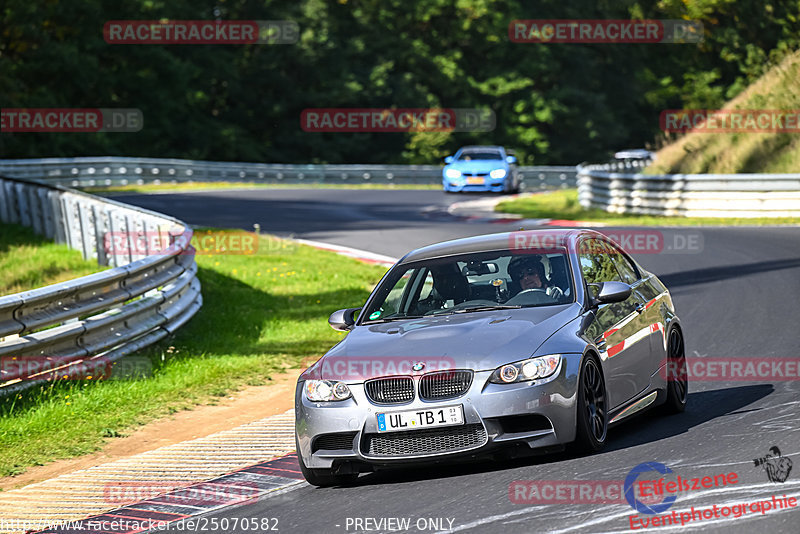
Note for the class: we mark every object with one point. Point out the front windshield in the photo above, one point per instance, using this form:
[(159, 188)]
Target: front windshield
[(478, 155), (472, 283)]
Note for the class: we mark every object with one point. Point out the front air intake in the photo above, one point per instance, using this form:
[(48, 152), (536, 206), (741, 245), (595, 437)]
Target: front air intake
[(444, 384), (394, 390)]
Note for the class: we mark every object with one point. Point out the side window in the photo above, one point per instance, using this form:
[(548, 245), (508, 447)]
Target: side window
[(597, 264), (391, 305), (626, 270), (427, 287)]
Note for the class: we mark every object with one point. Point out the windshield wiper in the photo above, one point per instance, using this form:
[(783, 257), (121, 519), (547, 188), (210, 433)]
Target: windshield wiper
[(488, 308), (390, 319)]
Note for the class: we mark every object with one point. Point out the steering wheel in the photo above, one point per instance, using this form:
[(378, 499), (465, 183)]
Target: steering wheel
[(535, 295), (528, 291)]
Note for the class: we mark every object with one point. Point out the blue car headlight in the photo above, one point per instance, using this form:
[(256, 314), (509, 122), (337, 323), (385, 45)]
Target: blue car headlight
[(452, 173), (525, 370), (498, 173)]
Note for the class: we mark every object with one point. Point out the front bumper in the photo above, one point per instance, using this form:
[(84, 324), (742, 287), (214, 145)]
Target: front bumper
[(490, 185), (545, 416)]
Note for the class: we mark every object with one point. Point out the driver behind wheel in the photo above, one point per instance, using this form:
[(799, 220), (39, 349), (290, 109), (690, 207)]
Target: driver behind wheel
[(527, 272)]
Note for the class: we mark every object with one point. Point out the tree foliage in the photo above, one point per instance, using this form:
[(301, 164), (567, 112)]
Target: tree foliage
[(554, 103)]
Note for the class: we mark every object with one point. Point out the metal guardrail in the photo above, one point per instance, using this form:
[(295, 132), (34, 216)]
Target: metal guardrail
[(619, 188), (95, 320), (110, 171)]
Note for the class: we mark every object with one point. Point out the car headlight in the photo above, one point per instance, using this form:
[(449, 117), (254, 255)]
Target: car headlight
[(531, 369), (498, 173), (326, 390), (452, 173)]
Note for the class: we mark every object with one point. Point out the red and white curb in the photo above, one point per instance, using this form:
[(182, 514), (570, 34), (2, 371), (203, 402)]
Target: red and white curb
[(192, 474), (176, 508)]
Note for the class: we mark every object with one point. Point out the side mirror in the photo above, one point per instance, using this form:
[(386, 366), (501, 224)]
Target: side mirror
[(511, 159), (343, 319), (612, 292), (448, 160)]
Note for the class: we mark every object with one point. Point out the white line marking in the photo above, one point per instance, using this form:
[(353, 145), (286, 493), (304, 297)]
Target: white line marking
[(349, 251)]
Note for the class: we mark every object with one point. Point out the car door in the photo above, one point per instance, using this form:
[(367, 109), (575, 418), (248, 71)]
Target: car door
[(651, 322), (617, 329)]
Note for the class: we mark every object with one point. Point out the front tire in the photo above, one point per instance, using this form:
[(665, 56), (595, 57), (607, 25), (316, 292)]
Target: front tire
[(322, 478), (677, 373), (592, 417)]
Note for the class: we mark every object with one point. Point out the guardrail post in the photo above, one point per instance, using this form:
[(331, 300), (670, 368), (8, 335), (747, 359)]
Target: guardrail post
[(46, 211), (59, 220), (68, 208), (24, 208), (3, 202), (100, 236), (36, 211), (129, 238), (85, 230), (113, 229)]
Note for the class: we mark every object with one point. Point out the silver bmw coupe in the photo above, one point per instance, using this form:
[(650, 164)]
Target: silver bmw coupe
[(512, 343)]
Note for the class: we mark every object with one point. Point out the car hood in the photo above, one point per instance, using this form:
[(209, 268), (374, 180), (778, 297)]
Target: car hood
[(477, 340), (480, 165)]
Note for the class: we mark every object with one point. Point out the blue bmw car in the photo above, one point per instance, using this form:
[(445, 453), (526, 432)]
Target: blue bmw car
[(480, 168)]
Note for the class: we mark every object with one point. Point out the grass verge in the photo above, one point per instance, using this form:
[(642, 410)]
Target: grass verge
[(261, 314), (28, 261), (563, 205), (743, 152), (211, 186)]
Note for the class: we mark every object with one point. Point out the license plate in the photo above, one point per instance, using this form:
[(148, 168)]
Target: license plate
[(474, 181), (414, 419)]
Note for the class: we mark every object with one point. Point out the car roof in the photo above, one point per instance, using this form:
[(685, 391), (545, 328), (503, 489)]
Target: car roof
[(490, 242)]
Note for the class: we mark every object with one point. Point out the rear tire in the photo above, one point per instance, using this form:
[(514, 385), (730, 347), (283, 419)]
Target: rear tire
[(677, 375), (592, 416), (322, 478)]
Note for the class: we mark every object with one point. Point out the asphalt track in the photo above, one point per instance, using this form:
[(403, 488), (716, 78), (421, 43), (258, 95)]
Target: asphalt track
[(737, 293)]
